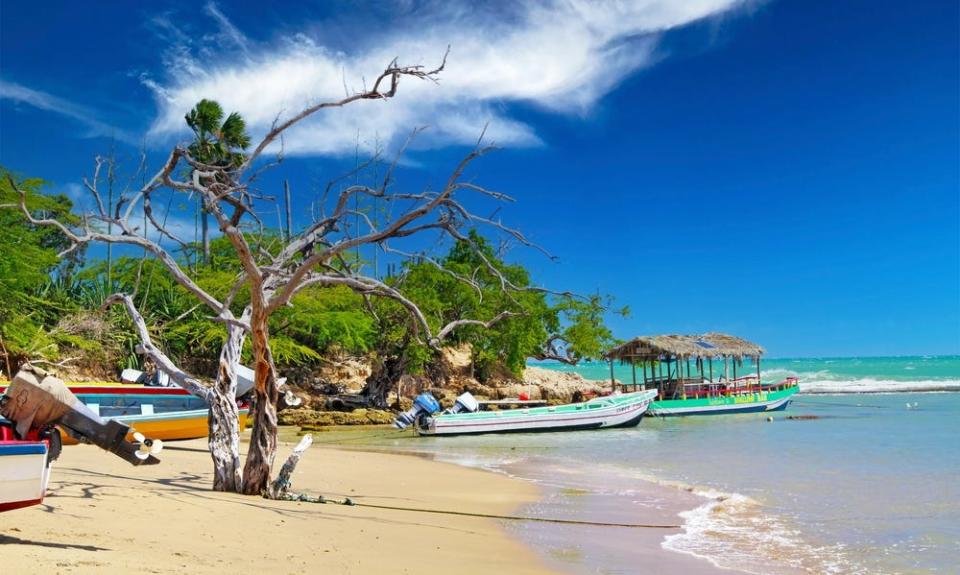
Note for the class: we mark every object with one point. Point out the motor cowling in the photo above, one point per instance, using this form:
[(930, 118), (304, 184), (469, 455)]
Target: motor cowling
[(466, 402), (423, 405)]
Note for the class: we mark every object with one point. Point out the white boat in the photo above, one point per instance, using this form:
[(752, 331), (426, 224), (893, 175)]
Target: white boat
[(617, 410), (245, 379), (23, 473)]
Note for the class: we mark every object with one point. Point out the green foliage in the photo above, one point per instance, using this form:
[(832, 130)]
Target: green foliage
[(217, 143), (583, 332), (321, 320), (576, 322), (28, 257), (327, 318), (49, 307)]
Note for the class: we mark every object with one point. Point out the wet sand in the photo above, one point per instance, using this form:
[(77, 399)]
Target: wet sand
[(584, 550)]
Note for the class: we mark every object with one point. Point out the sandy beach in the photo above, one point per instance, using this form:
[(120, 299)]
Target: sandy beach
[(103, 516)]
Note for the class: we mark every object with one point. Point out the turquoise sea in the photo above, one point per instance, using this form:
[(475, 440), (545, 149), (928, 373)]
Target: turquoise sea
[(824, 375), (869, 484)]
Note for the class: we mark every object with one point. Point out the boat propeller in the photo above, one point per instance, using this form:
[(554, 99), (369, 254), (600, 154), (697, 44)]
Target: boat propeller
[(146, 447)]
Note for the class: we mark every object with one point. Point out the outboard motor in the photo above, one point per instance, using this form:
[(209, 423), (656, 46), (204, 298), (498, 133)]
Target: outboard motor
[(465, 403), (424, 405), (35, 400)]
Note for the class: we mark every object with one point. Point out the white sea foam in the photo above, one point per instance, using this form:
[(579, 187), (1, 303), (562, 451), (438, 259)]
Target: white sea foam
[(826, 381), (870, 385), (732, 531)]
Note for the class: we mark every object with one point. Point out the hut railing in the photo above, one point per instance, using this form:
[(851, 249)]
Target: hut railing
[(695, 388)]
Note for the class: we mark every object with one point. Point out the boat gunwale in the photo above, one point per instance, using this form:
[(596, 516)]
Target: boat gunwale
[(607, 403)]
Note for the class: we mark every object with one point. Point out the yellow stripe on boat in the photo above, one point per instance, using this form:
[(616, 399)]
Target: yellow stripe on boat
[(167, 426)]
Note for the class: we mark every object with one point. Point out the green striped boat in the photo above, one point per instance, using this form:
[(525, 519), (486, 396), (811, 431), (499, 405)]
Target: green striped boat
[(681, 370)]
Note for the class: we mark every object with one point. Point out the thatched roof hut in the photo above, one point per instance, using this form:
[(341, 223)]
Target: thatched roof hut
[(667, 347)]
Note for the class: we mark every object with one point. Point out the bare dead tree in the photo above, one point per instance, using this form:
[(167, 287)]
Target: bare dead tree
[(313, 257)]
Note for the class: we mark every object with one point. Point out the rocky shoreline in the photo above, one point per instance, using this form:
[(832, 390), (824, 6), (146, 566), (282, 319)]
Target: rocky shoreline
[(327, 396)]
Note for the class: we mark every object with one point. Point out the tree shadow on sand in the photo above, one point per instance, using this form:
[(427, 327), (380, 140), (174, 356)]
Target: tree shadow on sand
[(10, 540)]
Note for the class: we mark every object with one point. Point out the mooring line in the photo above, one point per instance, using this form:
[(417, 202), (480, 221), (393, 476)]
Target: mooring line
[(351, 503)]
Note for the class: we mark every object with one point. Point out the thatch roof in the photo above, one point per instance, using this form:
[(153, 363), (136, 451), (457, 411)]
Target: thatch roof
[(656, 347)]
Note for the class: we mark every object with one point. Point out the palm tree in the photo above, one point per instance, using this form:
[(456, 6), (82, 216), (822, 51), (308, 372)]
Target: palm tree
[(216, 143)]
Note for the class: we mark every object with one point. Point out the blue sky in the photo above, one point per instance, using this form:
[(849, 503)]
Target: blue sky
[(788, 171)]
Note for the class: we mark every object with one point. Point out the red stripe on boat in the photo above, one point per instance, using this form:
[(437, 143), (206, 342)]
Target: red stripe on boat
[(19, 504)]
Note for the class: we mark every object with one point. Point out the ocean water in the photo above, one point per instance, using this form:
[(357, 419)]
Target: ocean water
[(868, 483), (823, 375)]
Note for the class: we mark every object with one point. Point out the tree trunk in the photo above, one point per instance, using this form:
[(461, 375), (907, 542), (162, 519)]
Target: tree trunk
[(205, 234), (263, 440), (384, 379), (224, 438)]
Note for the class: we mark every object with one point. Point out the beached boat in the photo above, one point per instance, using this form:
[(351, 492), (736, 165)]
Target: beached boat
[(683, 389), (166, 413), (23, 473), (170, 425), (616, 410), (129, 376)]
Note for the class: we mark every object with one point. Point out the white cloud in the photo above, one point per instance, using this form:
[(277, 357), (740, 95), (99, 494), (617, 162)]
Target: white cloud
[(561, 55), (49, 102)]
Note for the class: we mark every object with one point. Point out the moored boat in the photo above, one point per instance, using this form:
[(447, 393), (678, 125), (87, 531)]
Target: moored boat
[(685, 389), (616, 410), (748, 397)]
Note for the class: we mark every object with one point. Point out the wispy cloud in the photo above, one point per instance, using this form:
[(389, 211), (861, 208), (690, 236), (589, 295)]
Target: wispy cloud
[(561, 56), (49, 102), (227, 30)]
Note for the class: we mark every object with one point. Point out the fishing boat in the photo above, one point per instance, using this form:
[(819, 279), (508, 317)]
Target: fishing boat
[(24, 472), (167, 413), (169, 425), (129, 376), (685, 389), (615, 410), (33, 408)]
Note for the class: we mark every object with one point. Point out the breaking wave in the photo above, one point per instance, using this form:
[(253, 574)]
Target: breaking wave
[(733, 532), (826, 381)]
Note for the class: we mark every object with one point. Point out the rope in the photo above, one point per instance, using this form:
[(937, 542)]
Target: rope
[(351, 503), (392, 432), (816, 403)]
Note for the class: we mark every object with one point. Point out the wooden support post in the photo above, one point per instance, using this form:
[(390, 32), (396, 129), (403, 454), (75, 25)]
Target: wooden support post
[(633, 365), (711, 369), (660, 379), (758, 370), (613, 380)]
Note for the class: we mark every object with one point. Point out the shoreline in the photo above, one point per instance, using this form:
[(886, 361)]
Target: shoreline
[(585, 549)]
